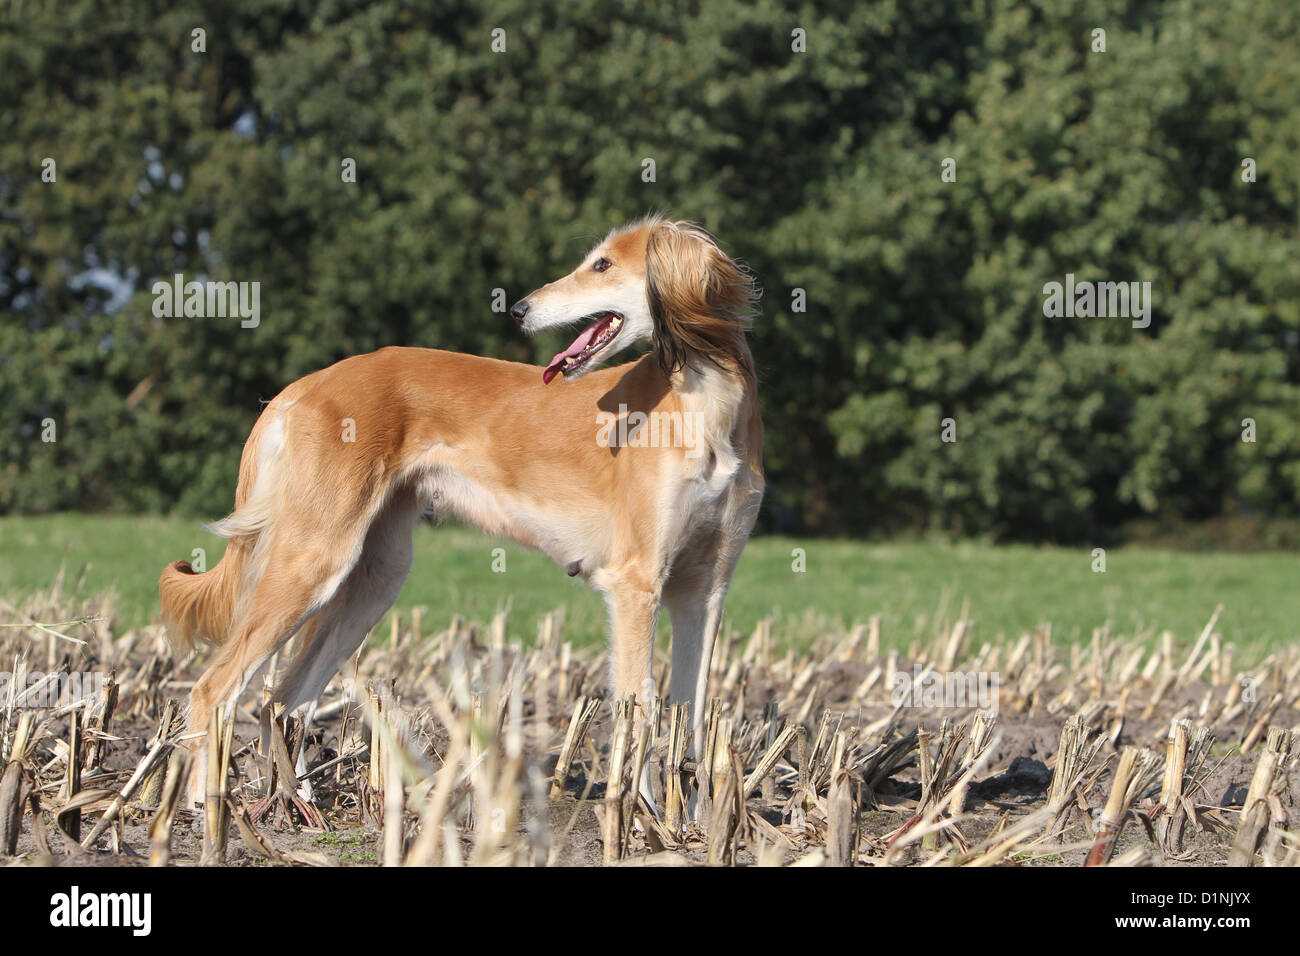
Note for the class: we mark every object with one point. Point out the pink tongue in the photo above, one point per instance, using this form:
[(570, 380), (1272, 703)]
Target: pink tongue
[(579, 344)]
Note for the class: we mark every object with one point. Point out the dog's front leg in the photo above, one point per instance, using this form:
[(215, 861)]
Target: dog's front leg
[(633, 612)]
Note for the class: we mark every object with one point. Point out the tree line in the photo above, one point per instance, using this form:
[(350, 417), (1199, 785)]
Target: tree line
[(907, 182)]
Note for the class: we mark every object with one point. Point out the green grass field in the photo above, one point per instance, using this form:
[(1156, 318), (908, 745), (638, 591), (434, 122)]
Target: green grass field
[(1010, 588)]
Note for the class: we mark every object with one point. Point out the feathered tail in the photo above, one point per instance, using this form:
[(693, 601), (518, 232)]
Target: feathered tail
[(202, 606)]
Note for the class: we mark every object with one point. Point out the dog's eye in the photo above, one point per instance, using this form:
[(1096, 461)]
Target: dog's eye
[(601, 264)]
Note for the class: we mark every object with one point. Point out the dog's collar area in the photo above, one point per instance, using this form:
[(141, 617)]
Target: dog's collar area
[(594, 338)]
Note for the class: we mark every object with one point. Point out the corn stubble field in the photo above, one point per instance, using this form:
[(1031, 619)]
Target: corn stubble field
[(460, 746)]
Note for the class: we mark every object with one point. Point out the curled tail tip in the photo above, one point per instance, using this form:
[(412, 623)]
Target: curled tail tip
[(173, 574), (177, 619)]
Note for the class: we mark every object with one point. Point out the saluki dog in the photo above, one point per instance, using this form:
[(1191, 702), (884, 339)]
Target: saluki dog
[(644, 479)]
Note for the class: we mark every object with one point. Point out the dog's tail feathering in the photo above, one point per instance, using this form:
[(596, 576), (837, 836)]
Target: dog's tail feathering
[(202, 606), (199, 606)]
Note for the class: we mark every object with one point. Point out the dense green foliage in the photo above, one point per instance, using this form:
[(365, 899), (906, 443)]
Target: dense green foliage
[(479, 170)]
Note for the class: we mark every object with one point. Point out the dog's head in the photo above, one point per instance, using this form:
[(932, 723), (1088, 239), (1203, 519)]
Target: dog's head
[(655, 280)]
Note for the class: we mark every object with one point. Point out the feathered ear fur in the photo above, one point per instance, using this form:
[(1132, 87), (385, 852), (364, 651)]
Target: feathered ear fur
[(699, 299)]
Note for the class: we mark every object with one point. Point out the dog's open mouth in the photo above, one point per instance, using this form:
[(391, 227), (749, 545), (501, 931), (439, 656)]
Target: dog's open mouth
[(585, 347)]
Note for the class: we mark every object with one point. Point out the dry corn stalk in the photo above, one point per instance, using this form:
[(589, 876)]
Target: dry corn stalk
[(679, 726), (981, 740), (1260, 727), (721, 760), (1260, 798), (160, 832), (1074, 758), (612, 822), (98, 721), (152, 788), (71, 825), (1134, 774), (779, 745), (1183, 764), (842, 820), (15, 784), (583, 712), (704, 768), (728, 805), (214, 804)]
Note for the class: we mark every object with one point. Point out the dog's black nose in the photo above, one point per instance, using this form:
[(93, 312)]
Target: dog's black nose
[(519, 310)]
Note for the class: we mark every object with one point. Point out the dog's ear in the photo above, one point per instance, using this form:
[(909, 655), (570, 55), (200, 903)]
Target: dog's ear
[(698, 298)]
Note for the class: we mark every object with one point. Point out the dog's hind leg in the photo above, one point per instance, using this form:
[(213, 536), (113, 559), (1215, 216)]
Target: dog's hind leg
[(694, 596), (342, 625), (297, 581)]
